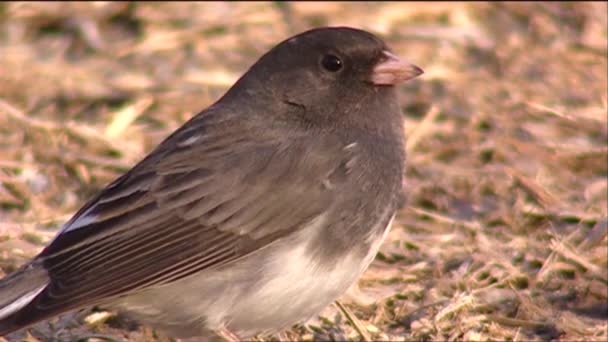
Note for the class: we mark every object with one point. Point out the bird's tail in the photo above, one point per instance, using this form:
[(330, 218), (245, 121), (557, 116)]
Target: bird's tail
[(17, 290)]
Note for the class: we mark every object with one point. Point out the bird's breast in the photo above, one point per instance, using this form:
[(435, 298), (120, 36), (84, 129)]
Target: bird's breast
[(269, 290)]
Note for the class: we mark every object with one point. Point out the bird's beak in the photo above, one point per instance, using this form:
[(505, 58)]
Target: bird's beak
[(392, 70)]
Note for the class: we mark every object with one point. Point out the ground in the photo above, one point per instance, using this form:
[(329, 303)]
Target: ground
[(504, 234)]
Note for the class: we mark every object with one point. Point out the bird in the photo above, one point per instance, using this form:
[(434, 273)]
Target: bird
[(254, 215)]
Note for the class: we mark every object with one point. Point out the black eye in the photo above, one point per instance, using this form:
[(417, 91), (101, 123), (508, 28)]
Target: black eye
[(331, 63)]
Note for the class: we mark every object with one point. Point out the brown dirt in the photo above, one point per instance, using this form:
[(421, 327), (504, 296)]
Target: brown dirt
[(505, 232)]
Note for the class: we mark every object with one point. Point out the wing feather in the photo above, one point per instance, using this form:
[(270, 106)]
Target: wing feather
[(185, 208)]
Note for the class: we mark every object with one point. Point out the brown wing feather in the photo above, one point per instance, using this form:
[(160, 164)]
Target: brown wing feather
[(185, 209)]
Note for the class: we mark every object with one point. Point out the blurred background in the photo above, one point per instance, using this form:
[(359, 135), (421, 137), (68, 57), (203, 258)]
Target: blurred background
[(504, 234)]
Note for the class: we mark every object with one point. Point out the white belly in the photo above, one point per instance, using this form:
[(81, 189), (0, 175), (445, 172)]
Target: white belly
[(249, 299)]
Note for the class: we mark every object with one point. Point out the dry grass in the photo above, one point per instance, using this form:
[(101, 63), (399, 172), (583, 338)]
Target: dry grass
[(505, 233)]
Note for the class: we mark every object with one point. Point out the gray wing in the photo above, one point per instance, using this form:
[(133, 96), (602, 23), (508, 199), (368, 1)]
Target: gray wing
[(208, 195)]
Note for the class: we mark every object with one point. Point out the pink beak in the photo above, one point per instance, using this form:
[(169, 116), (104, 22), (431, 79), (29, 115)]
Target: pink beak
[(393, 70)]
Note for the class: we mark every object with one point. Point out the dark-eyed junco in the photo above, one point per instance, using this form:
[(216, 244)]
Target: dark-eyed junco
[(255, 214)]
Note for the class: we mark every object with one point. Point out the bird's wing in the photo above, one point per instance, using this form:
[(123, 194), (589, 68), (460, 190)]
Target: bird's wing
[(209, 194)]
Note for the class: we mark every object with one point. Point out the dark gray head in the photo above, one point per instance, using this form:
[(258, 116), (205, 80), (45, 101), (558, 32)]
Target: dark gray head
[(326, 73)]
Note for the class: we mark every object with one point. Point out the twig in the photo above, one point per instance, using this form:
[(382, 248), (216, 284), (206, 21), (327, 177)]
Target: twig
[(354, 321), (569, 252), (541, 195), (467, 224), (124, 117), (81, 131), (514, 322)]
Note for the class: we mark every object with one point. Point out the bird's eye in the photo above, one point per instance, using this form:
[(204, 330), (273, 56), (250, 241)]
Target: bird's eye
[(331, 63)]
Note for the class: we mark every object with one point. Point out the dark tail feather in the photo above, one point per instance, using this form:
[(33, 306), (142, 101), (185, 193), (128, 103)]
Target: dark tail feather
[(17, 290), (8, 326)]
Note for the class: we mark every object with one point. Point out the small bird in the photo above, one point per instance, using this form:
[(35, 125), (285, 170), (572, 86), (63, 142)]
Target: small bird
[(254, 215)]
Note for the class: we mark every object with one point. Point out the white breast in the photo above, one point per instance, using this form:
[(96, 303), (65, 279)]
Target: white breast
[(269, 290), (298, 288)]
